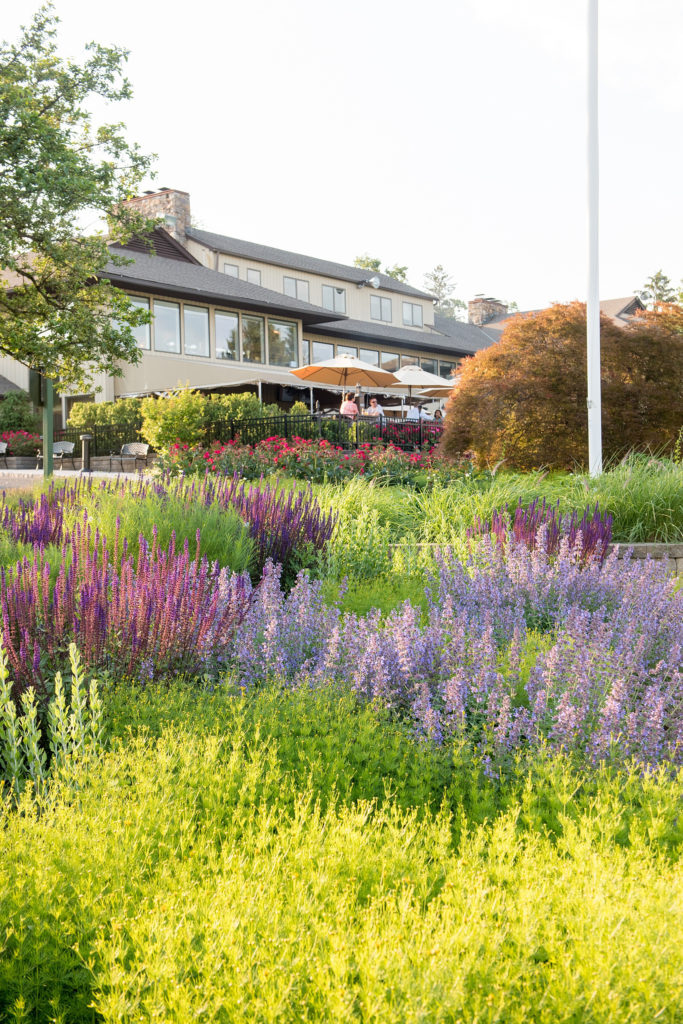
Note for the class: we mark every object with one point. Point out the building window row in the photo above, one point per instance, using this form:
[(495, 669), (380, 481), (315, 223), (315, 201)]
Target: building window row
[(318, 351), (334, 298), (181, 328)]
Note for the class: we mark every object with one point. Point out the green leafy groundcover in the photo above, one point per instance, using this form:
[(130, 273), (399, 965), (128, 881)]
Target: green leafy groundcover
[(293, 857)]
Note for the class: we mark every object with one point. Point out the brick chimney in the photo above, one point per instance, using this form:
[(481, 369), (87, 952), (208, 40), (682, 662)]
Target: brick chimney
[(482, 310), (170, 204)]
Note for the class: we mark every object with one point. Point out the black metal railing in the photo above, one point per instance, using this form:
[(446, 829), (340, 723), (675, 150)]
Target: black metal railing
[(337, 429), (105, 440)]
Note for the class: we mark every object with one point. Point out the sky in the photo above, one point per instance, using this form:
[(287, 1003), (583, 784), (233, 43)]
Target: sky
[(426, 133)]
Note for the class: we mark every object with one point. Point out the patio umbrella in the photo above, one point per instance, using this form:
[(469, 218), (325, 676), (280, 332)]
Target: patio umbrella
[(346, 371), (428, 385)]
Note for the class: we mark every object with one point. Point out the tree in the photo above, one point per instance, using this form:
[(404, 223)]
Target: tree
[(56, 311), (368, 262), (523, 399), (398, 273), (656, 290), (439, 283)]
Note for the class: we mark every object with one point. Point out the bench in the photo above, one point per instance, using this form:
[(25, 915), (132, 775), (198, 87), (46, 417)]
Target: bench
[(60, 450), (133, 450)]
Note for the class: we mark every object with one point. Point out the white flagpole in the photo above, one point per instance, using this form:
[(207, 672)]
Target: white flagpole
[(593, 304)]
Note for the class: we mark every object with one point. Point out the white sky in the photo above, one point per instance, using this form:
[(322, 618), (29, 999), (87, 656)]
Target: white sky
[(446, 131)]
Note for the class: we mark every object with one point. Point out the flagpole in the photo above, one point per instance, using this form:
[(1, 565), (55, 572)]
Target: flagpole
[(593, 303)]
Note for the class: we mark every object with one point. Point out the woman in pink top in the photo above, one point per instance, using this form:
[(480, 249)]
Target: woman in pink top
[(348, 406)]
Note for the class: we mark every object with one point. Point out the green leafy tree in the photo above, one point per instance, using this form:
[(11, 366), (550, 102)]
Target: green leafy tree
[(367, 262), (657, 290), (56, 311), (374, 265), (441, 285)]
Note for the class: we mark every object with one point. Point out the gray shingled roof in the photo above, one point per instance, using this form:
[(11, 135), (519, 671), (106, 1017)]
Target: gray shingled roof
[(469, 337), (459, 343), (189, 281), (295, 261), (7, 386)]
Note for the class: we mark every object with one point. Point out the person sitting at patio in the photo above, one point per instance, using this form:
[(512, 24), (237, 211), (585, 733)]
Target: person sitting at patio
[(438, 415), (374, 409), (414, 412), (348, 406)]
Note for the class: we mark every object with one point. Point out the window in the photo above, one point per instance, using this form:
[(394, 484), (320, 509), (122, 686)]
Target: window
[(412, 314), (231, 269), (141, 334), (227, 335), (166, 326), (409, 361), (347, 350), (254, 276), (321, 352), (446, 367), (282, 343), (253, 339), (334, 298), (430, 366), (390, 361), (196, 321), (296, 288), (380, 308), (306, 351), (369, 355)]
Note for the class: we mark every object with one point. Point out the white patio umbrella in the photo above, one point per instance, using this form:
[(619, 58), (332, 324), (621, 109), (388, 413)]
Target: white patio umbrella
[(346, 371), (428, 385)]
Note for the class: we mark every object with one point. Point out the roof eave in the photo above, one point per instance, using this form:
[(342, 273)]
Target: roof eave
[(216, 298)]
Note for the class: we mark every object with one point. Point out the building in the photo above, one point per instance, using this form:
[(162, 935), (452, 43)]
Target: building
[(228, 313), (492, 316)]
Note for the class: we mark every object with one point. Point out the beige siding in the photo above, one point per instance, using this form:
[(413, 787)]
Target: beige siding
[(357, 299), (14, 371)]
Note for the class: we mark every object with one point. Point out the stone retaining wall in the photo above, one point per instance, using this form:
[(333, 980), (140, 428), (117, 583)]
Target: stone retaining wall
[(98, 463), (671, 553)]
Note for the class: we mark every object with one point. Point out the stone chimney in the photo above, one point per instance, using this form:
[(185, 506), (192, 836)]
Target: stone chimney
[(170, 204), (482, 310)]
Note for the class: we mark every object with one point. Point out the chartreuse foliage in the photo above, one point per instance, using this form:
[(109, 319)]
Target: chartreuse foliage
[(258, 860)]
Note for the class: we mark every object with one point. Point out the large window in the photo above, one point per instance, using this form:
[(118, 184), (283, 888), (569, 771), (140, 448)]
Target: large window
[(390, 361), (412, 314), (296, 288), (430, 366), (253, 339), (254, 276), (282, 343), (141, 334), (231, 269), (409, 361), (334, 298), (347, 350), (321, 352), (446, 367), (166, 326), (227, 335), (380, 308), (196, 320), (369, 355)]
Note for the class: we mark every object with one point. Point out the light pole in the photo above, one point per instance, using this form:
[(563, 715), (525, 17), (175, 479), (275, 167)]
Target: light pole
[(593, 303)]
